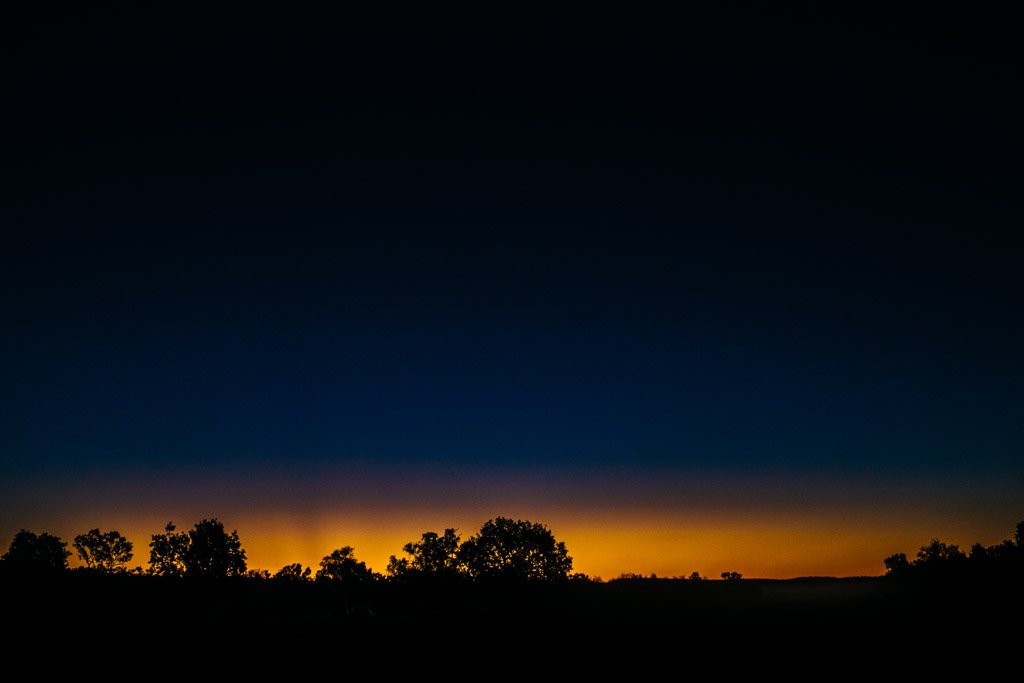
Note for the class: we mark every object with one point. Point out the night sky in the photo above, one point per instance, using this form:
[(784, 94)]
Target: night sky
[(700, 289)]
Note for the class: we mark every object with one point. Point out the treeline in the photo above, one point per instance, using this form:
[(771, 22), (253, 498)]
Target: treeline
[(503, 548), (945, 559)]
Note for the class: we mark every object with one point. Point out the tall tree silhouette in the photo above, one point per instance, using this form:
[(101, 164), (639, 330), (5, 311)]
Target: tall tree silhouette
[(432, 555), (43, 553), (106, 552), (167, 552), (515, 549), (212, 552), (342, 565)]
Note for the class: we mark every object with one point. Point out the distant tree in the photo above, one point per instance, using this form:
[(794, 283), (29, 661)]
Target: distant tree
[(937, 552), (897, 564), (938, 558), (695, 576), (341, 565), (167, 552), (398, 567), (293, 572), (732, 576), (42, 553), (105, 552), (515, 549), (1001, 552), (212, 552), (432, 555)]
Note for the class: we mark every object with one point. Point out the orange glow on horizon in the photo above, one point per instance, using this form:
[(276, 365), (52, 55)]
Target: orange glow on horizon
[(761, 528)]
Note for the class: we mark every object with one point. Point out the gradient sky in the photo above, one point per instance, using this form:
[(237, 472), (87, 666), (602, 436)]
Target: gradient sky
[(722, 289)]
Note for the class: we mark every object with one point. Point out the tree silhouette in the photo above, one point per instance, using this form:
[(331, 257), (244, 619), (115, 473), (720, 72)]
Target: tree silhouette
[(206, 550), (167, 552), (42, 553), (1018, 535), (106, 552), (213, 552), (431, 555), (938, 553), (732, 576), (978, 553), (897, 564), (515, 549), (341, 565), (293, 572)]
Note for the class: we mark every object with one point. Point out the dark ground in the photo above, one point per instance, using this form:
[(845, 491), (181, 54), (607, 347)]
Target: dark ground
[(638, 629), (867, 602)]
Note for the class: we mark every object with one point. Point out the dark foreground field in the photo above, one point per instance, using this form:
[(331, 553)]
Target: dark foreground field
[(637, 629), (865, 602)]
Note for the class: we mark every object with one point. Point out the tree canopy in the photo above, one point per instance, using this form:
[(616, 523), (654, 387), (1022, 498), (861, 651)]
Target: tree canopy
[(292, 572), (432, 555), (939, 559), (167, 552), (206, 550), (938, 552), (37, 553), (105, 552), (342, 565), (213, 552), (515, 549)]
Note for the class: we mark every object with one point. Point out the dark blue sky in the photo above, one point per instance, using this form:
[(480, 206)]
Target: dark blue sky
[(727, 240)]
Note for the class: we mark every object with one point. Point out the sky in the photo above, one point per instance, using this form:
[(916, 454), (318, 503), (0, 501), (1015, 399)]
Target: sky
[(702, 289)]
